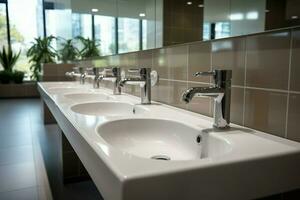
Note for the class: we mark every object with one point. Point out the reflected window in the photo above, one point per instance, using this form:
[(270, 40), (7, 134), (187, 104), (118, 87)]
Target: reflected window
[(222, 29), (129, 34), (216, 30), (81, 25), (105, 32), (145, 35), (206, 31)]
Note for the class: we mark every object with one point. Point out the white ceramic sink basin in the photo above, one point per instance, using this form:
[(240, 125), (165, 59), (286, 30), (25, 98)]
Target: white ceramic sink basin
[(88, 97), (109, 109), (161, 139)]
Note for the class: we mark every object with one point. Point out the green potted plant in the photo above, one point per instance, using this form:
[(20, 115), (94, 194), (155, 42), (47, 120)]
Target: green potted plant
[(41, 52), (18, 77), (90, 48), (69, 52), (8, 60)]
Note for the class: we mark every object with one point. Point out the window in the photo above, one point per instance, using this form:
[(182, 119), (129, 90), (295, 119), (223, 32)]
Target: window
[(24, 28), (105, 32), (3, 25), (129, 34)]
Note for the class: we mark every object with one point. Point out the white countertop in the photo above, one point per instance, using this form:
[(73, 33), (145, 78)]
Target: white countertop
[(245, 144)]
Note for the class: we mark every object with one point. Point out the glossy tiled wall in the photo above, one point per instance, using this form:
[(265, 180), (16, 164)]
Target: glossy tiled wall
[(266, 77)]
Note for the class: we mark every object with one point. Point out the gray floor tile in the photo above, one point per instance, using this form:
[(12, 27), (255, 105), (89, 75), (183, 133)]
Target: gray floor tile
[(15, 155), (13, 140), (17, 176), (24, 194)]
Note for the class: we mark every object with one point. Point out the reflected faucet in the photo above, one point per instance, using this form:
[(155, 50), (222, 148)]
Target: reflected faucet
[(221, 92), (144, 81), (114, 76)]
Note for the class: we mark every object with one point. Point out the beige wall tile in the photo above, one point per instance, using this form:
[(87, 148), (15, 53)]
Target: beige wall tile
[(268, 60), (145, 59), (171, 63), (129, 60), (113, 60), (132, 89), (177, 61), (295, 64), (169, 92), (160, 63), (63, 68), (49, 78), (200, 105), (293, 131), (230, 54), (237, 105), (199, 60), (266, 111), (50, 69)]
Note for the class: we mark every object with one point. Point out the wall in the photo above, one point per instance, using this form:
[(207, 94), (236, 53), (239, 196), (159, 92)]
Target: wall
[(266, 87)]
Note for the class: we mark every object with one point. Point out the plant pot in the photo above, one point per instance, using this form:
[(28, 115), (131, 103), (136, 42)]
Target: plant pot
[(5, 77), (18, 77)]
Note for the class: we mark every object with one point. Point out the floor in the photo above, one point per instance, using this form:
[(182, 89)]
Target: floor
[(22, 167)]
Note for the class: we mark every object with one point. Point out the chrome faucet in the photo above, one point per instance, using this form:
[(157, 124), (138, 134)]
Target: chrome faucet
[(83, 75), (96, 82), (144, 80), (221, 92), (114, 76)]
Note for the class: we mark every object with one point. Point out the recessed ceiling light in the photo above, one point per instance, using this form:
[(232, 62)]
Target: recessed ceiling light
[(142, 14), (200, 5), (189, 3), (236, 16), (252, 15), (294, 17), (95, 10)]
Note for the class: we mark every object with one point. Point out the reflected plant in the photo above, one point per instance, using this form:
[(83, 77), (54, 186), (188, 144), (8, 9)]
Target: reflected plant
[(68, 52), (41, 52), (90, 48)]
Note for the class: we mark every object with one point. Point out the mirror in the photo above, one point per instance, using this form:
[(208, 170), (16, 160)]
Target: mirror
[(194, 20), (133, 25)]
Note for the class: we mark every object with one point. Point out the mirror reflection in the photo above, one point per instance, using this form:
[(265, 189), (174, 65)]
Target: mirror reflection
[(132, 25)]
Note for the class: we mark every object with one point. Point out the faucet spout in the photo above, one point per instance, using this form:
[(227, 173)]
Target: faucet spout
[(132, 81), (220, 92), (214, 92)]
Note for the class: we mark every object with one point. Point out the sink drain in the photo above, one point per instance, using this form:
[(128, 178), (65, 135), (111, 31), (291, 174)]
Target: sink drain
[(161, 157)]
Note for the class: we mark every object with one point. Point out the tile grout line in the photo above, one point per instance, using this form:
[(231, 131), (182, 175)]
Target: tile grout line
[(267, 89), (33, 151), (289, 85), (245, 80), (236, 86), (210, 79), (293, 92), (187, 71), (16, 190)]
